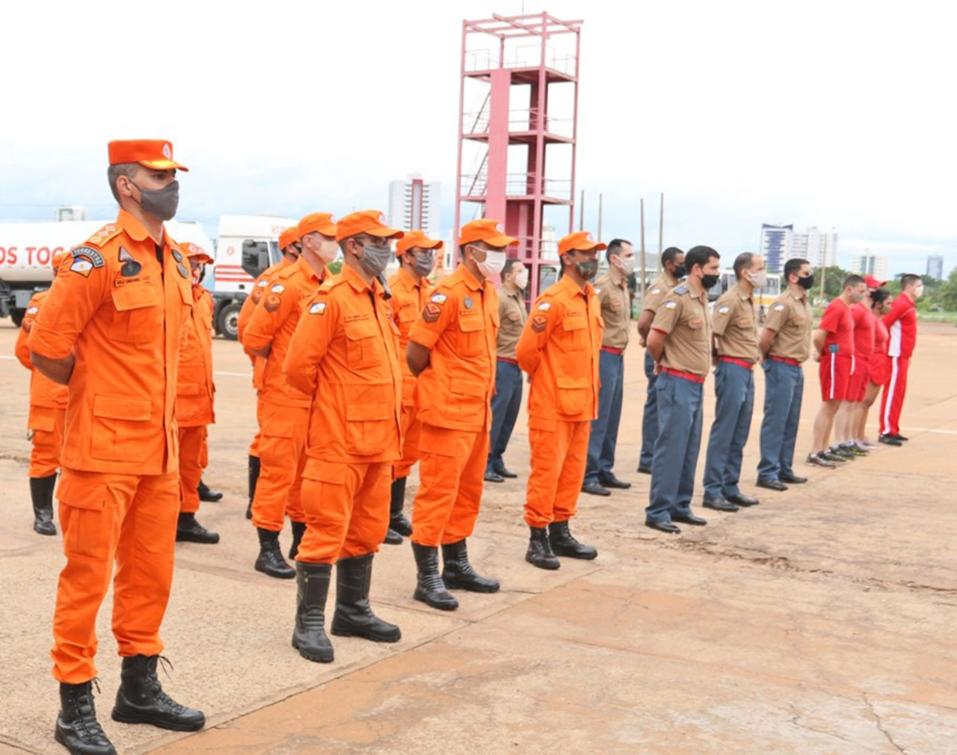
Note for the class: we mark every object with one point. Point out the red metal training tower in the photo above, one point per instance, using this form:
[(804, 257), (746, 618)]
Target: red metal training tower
[(518, 125)]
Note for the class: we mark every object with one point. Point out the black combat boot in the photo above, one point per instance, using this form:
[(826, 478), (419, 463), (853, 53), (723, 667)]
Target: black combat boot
[(458, 573), (298, 530), (207, 494), (270, 559), (353, 616), (429, 587), (253, 478), (539, 551), (76, 727), (188, 530), (141, 699), (397, 521), (565, 544), (309, 636), (41, 491)]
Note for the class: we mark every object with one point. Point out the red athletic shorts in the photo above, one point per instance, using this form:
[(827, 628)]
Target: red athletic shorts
[(879, 369), (835, 376), (859, 378)]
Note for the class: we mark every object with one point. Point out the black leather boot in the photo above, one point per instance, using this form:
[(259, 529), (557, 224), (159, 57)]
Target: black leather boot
[(429, 587), (253, 478), (76, 727), (539, 551), (458, 573), (298, 530), (270, 559), (141, 699), (188, 530), (397, 521), (309, 636), (392, 537), (353, 616), (565, 544), (207, 494), (41, 491)]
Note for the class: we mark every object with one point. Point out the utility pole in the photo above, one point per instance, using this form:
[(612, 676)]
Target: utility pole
[(581, 213), (643, 264), (600, 197), (661, 226)]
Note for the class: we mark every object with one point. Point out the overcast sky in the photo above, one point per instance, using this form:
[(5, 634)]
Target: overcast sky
[(814, 113)]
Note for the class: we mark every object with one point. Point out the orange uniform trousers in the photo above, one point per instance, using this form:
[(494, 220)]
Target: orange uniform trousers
[(451, 471), (558, 461), (347, 510), (282, 457), (46, 424), (129, 519), (411, 431), (193, 458)]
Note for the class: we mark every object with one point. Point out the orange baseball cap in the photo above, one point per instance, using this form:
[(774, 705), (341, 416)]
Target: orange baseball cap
[(289, 236), (417, 240), (487, 230), (316, 222), (366, 221), (194, 251), (150, 153), (580, 241)]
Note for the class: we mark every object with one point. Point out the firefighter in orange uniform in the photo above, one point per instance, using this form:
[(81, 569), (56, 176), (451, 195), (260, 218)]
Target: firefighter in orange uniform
[(410, 293), (45, 421), (559, 351), (452, 351), (111, 329), (290, 248), (284, 411), (344, 356), (194, 401)]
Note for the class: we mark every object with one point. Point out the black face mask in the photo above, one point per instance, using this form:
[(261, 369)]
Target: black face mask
[(806, 281), (710, 281), (680, 272), (160, 203)]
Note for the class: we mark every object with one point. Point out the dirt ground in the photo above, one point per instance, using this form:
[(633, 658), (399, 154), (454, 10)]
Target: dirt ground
[(821, 621)]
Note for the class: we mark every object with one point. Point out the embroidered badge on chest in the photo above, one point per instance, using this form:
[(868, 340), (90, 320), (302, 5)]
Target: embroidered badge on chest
[(130, 267), (468, 303), (177, 256), (182, 270), (318, 308)]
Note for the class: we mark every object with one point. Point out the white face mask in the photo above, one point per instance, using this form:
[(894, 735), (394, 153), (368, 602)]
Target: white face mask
[(521, 278), (493, 264), (627, 265), (758, 280)]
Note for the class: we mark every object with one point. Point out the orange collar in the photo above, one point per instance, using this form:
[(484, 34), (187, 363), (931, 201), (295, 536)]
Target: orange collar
[(133, 228)]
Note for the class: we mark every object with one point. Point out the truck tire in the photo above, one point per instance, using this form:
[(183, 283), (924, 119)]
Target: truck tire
[(227, 324), (17, 316)]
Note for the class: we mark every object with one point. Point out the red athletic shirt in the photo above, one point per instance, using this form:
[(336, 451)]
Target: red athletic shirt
[(901, 323), (839, 326), (865, 322)]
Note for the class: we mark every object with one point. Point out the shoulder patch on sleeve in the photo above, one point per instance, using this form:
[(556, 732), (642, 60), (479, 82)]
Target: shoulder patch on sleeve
[(544, 306), (431, 312), (671, 304), (88, 253), (680, 289), (317, 308), (779, 307), (263, 283), (656, 290), (724, 310), (278, 288), (33, 310), (438, 298)]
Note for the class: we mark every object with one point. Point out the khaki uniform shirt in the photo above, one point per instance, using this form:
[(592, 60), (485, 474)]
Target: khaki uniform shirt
[(735, 326), (658, 291), (790, 317), (615, 310), (512, 316), (683, 317)]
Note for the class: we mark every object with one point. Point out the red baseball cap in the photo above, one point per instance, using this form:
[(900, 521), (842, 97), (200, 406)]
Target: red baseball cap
[(150, 153), (416, 240), (487, 230), (365, 221), (580, 241), (872, 282)]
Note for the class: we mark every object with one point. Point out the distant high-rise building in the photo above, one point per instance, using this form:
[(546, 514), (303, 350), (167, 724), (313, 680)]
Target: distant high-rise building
[(871, 264), (816, 246), (776, 245), (935, 267), (415, 204)]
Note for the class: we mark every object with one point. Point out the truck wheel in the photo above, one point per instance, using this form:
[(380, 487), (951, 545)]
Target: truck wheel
[(227, 324), (17, 316)]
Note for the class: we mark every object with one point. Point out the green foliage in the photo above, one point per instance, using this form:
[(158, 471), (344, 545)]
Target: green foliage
[(833, 281), (334, 267)]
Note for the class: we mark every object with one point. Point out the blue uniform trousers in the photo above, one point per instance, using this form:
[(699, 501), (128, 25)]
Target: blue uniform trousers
[(734, 394), (505, 406), (649, 422), (783, 391), (604, 428)]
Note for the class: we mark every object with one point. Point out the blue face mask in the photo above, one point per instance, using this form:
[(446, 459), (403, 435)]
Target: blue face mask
[(375, 258)]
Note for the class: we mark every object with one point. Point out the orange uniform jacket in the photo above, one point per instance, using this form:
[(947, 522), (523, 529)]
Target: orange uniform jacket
[(195, 388), (409, 297), (272, 324), (460, 325), (343, 355), (559, 350), (246, 311), (44, 393), (120, 311)]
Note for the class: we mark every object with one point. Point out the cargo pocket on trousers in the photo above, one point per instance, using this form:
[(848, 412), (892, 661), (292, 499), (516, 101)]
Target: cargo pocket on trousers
[(87, 513), (121, 428)]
